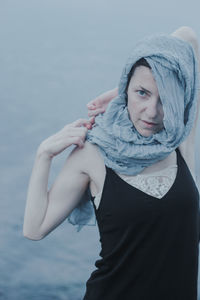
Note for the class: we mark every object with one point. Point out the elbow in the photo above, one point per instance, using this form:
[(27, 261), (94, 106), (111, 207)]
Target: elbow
[(32, 236), (188, 34)]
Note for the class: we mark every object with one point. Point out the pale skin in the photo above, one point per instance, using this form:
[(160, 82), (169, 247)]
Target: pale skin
[(46, 209), (144, 104)]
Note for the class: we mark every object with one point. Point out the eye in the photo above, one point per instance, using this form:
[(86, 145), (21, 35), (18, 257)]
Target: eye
[(141, 93)]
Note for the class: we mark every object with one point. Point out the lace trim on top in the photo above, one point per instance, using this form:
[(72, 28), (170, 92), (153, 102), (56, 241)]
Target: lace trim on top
[(156, 184)]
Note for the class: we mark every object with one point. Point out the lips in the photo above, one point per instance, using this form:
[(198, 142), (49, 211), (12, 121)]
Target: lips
[(149, 124)]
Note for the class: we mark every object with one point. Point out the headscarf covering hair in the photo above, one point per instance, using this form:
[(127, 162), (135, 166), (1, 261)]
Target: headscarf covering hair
[(175, 70)]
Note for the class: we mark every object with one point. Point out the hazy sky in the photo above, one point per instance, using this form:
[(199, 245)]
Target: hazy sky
[(44, 39), (56, 55)]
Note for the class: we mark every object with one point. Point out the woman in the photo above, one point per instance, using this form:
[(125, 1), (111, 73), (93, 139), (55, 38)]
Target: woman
[(136, 162)]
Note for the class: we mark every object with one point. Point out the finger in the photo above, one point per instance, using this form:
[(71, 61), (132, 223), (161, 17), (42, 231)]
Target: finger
[(76, 131), (92, 120), (91, 106), (81, 122), (69, 132), (96, 112), (95, 103), (77, 141)]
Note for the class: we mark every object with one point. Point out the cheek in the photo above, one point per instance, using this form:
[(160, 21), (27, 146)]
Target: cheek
[(130, 107), (133, 107), (161, 113)]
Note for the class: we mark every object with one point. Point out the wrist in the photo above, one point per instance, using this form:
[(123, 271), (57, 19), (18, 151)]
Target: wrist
[(43, 153)]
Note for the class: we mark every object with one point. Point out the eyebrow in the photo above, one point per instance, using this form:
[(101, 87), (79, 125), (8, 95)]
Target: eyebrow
[(147, 91)]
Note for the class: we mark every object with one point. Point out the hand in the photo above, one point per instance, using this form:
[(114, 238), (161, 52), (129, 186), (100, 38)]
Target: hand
[(99, 104), (73, 133)]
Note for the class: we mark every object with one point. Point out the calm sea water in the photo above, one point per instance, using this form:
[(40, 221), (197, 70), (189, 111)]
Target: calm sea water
[(55, 56)]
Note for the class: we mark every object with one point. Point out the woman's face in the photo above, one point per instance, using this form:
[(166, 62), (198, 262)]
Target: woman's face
[(144, 104)]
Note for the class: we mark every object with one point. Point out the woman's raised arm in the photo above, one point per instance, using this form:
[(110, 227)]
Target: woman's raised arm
[(99, 104), (45, 209), (187, 148)]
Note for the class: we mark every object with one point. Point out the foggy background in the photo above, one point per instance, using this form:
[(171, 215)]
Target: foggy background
[(55, 56)]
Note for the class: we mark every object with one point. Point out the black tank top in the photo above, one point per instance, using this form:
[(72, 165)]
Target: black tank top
[(149, 245)]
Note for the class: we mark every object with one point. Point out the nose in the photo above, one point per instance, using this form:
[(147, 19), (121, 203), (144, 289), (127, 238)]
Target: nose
[(153, 108)]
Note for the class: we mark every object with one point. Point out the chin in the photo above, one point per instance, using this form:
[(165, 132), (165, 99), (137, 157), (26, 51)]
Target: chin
[(146, 133)]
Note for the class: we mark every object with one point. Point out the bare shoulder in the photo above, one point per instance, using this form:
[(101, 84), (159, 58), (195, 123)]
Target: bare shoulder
[(86, 157), (88, 160)]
